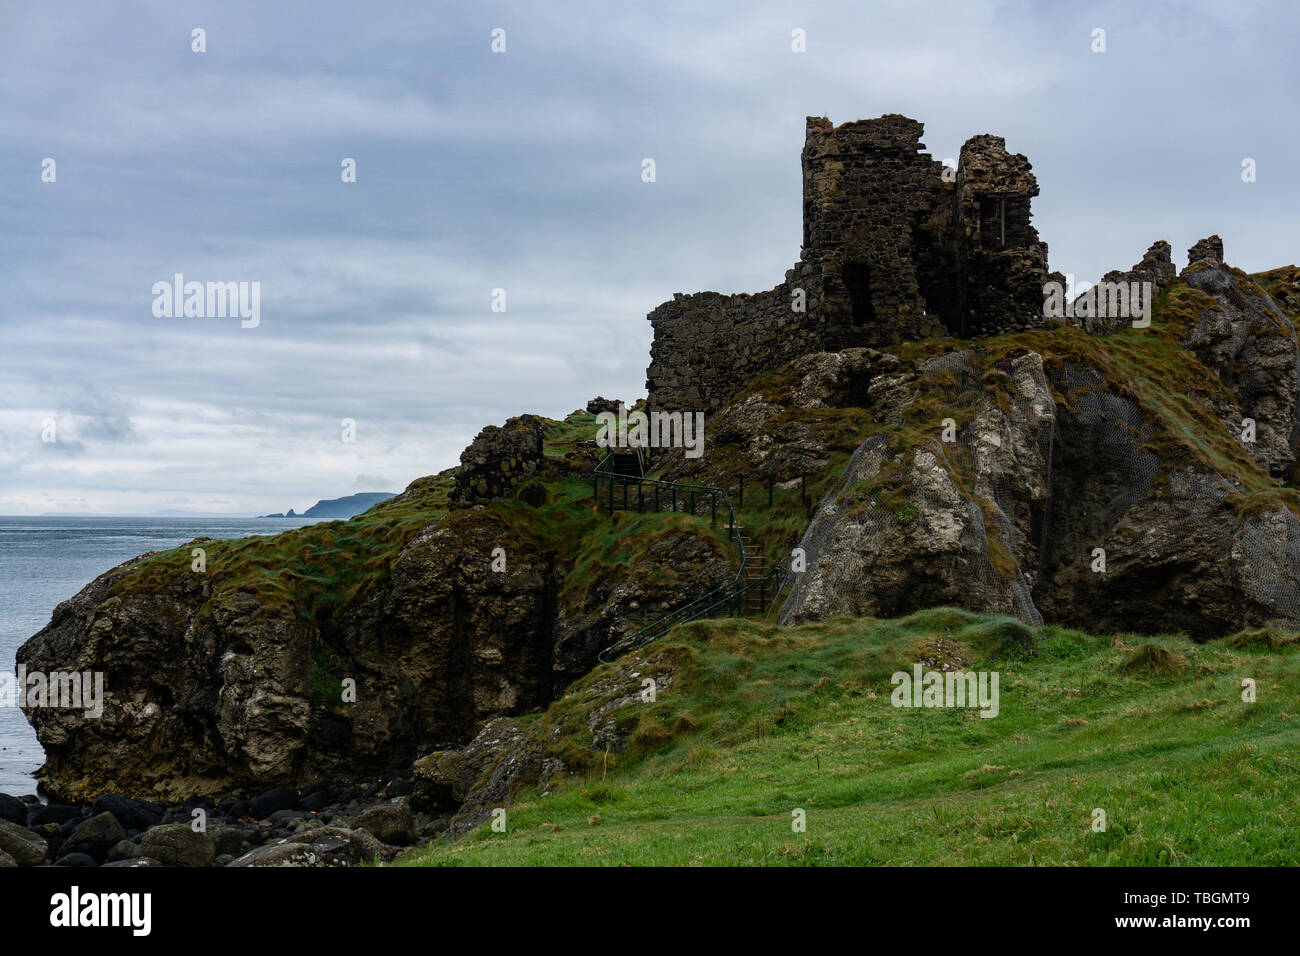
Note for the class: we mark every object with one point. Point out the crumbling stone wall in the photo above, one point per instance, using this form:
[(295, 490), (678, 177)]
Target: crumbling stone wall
[(1001, 263), (875, 215), (893, 249), (1157, 267), (602, 404), (498, 460), (1209, 249), (708, 345)]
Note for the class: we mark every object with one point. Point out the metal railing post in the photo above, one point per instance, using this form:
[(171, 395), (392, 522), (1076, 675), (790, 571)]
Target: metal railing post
[(729, 598)]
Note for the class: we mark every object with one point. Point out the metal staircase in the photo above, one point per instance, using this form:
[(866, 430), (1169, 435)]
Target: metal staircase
[(620, 484)]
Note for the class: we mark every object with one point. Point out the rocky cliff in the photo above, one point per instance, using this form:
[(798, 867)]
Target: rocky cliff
[(1113, 478), (343, 648)]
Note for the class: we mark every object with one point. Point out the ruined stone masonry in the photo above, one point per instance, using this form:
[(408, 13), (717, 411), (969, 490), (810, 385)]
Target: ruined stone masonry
[(893, 250), (498, 460)]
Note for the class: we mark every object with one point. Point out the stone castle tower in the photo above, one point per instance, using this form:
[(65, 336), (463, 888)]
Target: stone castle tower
[(894, 249)]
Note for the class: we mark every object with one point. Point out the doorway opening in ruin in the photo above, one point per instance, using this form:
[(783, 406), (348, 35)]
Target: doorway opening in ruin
[(939, 297), (938, 275), (857, 281)]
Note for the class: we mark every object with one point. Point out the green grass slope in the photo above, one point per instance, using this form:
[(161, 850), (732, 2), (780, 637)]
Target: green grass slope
[(759, 721)]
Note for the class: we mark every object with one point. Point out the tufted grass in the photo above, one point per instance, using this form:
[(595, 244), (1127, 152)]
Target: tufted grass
[(761, 721)]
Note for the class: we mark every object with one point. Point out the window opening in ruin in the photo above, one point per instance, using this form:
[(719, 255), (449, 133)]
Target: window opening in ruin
[(989, 215), (857, 280)]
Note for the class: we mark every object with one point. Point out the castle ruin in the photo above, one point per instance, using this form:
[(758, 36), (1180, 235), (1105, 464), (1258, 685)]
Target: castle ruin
[(895, 248)]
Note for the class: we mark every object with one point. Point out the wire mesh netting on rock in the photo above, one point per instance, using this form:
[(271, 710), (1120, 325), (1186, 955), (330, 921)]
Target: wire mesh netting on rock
[(1011, 512)]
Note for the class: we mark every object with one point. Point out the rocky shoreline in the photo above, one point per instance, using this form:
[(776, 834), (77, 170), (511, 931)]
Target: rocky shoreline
[(319, 825), (441, 795)]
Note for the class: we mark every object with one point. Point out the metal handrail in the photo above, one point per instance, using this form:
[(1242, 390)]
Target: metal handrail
[(635, 642), (667, 622), (599, 473)]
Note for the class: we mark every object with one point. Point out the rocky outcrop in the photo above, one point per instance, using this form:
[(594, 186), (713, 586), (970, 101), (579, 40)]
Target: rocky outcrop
[(1028, 475), (1052, 502), (211, 689), (1054, 459), (1238, 332), (588, 724), (944, 522), (1249, 343)]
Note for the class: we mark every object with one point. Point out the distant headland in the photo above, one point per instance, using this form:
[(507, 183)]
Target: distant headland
[(339, 507)]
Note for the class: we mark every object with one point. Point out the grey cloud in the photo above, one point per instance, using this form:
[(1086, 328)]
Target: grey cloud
[(522, 171)]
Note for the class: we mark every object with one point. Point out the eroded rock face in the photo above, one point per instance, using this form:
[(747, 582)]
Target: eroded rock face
[(887, 543), (1179, 559), (1247, 341), (504, 757), (481, 775), (1048, 508)]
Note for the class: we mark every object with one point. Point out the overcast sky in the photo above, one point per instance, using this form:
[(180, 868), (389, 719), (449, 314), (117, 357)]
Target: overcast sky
[(521, 171)]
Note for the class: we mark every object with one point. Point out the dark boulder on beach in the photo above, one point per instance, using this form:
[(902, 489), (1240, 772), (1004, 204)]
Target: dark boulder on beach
[(132, 814), (94, 837), (175, 844), (273, 801), (390, 822), (57, 813), (27, 848), (13, 810)]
